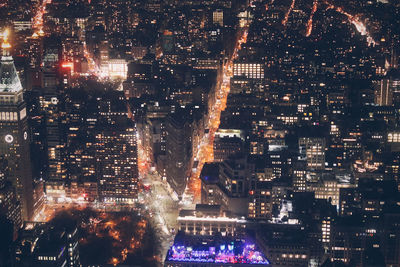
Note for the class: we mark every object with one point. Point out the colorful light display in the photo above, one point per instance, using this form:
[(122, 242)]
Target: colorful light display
[(238, 252)]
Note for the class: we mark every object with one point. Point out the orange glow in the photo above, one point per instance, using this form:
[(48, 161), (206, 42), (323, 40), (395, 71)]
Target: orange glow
[(92, 65), (144, 162), (310, 20), (285, 20), (38, 18), (205, 152), (110, 225), (167, 32), (68, 65), (5, 35)]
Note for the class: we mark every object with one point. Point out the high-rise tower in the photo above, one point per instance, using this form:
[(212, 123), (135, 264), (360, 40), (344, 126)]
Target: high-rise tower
[(14, 143)]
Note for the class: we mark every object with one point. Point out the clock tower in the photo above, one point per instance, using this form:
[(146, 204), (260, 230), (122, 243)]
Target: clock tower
[(14, 139)]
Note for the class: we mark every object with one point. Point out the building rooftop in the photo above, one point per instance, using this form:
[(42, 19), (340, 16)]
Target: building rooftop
[(210, 173), (209, 213), (9, 80), (215, 250)]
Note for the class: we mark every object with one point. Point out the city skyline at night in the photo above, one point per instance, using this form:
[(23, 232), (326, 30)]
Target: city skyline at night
[(200, 133)]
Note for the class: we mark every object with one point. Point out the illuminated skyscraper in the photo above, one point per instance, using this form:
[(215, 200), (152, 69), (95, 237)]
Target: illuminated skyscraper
[(218, 17), (117, 165), (249, 70), (384, 93), (14, 143), (313, 151), (387, 90)]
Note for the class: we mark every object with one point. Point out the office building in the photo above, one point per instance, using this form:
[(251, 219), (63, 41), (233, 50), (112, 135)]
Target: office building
[(210, 220), (249, 70), (9, 205), (218, 17), (178, 151), (14, 141), (117, 167), (312, 150)]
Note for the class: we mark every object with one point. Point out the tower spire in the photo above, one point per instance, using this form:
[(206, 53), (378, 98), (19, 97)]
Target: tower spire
[(5, 45), (9, 80)]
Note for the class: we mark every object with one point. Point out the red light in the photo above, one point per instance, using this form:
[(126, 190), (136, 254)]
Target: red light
[(68, 65)]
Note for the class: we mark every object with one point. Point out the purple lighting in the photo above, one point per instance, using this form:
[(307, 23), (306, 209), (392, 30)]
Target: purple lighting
[(234, 252)]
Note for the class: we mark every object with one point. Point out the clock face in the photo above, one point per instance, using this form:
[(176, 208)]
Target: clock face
[(54, 100), (25, 135), (9, 138)]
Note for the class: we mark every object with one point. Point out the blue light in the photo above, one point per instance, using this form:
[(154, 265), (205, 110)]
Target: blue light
[(244, 253), (211, 250)]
